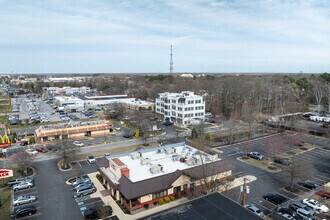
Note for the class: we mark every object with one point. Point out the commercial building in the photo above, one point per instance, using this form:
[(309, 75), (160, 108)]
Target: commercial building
[(142, 178), (73, 130), (209, 207), (183, 108), (67, 90), (78, 104)]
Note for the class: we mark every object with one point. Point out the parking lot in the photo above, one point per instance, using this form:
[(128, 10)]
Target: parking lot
[(267, 182), (30, 192)]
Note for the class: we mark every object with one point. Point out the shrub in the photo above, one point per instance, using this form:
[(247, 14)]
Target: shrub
[(230, 178), (155, 203), (161, 202), (167, 199), (32, 140), (172, 198), (146, 206), (208, 137), (245, 157), (271, 167), (99, 177)]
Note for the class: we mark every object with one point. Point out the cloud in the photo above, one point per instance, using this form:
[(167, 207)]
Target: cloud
[(134, 36)]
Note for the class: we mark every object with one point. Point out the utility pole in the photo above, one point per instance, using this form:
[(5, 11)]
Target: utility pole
[(171, 61), (244, 193)]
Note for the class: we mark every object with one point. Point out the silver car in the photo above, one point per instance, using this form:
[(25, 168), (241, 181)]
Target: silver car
[(23, 185), (254, 209), (19, 200), (80, 181)]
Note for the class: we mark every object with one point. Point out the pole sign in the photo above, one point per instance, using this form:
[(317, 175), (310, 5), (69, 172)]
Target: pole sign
[(4, 173)]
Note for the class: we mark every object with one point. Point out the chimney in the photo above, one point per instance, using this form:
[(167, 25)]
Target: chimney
[(124, 172)]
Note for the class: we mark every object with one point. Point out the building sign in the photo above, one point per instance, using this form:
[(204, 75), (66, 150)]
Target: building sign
[(5, 173), (5, 141)]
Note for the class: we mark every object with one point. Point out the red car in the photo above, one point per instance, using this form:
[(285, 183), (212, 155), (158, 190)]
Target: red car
[(42, 150), (323, 194)]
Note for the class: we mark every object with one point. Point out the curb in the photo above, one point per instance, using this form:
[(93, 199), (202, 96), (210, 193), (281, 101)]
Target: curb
[(59, 167), (243, 161)]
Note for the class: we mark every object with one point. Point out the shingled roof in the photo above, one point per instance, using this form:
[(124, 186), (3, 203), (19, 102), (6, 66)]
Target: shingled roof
[(133, 190)]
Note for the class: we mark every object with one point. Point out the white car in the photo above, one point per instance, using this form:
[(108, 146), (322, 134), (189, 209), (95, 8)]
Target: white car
[(31, 151), (78, 143), (91, 159), (117, 128), (255, 210), (315, 205)]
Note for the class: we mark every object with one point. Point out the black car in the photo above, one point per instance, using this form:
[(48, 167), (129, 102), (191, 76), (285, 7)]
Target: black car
[(282, 161), (287, 211), (24, 211), (274, 198), (128, 135), (308, 184), (98, 212), (168, 123)]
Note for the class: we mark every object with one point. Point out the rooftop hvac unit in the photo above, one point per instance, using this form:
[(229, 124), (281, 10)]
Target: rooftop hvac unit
[(192, 161), (144, 161), (170, 150), (175, 157), (156, 169), (136, 155)]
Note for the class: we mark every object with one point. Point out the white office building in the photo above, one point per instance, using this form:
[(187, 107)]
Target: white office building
[(183, 108), (67, 90)]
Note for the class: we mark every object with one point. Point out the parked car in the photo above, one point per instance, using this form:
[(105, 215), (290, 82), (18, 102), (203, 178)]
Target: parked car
[(91, 159), (23, 185), (80, 181), (106, 155), (20, 180), (42, 150), (51, 148), (24, 211), (287, 211), (78, 143), (168, 123), (304, 214), (256, 155), (95, 212), (254, 209), (31, 151), (315, 205), (24, 143), (323, 194), (287, 216), (274, 198), (83, 184), (308, 184), (19, 200), (282, 161), (84, 190), (128, 135), (295, 205), (117, 128)]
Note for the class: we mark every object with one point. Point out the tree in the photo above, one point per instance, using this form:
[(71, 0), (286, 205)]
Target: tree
[(67, 150), (194, 133), (297, 170), (23, 160)]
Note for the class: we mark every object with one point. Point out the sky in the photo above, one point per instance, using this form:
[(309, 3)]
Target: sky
[(134, 36)]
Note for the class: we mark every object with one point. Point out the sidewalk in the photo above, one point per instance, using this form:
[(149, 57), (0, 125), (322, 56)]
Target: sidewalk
[(108, 200)]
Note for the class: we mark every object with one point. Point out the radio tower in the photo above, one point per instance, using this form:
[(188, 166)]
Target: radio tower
[(171, 61)]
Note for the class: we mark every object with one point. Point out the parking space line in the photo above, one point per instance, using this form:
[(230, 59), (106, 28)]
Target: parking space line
[(283, 195), (79, 163), (324, 178)]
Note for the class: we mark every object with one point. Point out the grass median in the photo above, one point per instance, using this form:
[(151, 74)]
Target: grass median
[(5, 194), (266, 165)]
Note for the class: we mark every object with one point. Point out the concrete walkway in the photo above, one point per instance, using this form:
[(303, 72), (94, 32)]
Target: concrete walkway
[(108, 200)]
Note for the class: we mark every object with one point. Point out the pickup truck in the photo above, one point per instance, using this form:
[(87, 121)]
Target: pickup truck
[(323, 194)]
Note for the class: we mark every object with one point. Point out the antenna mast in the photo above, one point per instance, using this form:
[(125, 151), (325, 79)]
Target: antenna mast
[(171, 61)]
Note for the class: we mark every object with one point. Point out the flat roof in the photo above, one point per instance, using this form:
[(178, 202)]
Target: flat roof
[(165, 157), (210, 207), (66, 98)]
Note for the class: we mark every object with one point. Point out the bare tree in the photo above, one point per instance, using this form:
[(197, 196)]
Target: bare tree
[(297, 170), (23, 160), (67, 150)]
